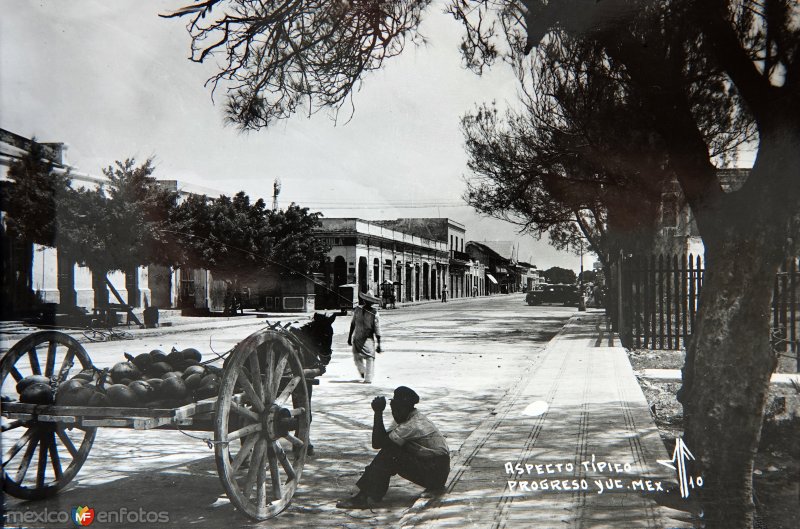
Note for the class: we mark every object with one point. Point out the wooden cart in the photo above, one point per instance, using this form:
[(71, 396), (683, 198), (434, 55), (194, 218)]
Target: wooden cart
[(259, 419)]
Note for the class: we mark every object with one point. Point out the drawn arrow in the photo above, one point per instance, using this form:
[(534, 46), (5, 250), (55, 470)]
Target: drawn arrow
[(680, 455)]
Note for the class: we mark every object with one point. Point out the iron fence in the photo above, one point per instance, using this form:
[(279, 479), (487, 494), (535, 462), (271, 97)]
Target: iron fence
[(660, 296)]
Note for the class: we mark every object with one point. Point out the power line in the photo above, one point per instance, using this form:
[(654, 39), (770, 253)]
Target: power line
[(382, 206), (391, 203)]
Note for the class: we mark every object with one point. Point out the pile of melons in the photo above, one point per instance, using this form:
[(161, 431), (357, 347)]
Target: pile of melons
[(153, 380)]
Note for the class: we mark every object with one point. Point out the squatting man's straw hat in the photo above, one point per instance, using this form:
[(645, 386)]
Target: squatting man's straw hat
[(368, 296)]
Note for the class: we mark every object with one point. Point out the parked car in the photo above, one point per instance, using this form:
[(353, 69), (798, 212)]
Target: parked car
[(565, 294)]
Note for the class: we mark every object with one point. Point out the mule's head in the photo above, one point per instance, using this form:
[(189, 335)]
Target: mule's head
[(321, 330)]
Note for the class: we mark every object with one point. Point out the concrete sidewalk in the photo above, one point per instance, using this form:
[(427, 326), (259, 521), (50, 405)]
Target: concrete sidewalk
[(578, 406)]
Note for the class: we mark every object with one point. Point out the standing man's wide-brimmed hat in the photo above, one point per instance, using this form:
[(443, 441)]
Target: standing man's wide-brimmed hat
[(368, 296)]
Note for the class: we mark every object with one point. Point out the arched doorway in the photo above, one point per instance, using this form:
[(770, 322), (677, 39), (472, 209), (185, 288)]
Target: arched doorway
[(425, 281), (362, 274), (416, 282), (434, 271), (339, 271), (409, 282), (398, 277)]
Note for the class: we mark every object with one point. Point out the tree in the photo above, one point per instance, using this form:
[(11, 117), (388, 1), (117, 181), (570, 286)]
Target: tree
[(280, 55), (587, 276), (120, 225), (752, 47), (295, 249), (226, 235), (748, 232), (238, 240), (558, 275), (32, 203)]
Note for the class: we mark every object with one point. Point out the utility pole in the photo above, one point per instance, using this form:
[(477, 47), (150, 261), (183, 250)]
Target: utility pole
[(276, 190)]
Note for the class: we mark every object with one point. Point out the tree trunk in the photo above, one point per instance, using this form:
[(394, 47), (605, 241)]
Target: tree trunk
[(729, 360), (726, 385)]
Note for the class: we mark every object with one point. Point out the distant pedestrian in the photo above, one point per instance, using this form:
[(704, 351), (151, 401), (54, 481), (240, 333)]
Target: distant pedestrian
[(412, 447), (365, 331), (444, 293)]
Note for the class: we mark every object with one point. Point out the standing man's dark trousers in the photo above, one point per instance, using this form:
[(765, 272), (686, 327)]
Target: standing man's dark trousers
[(428, 472)]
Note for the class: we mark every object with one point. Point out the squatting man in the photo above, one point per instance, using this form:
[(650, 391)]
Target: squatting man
[(412, 447)]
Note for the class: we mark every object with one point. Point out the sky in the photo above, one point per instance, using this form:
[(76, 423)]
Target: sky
[(113, 81)]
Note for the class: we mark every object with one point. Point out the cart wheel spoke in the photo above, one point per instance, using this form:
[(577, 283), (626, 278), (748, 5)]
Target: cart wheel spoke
[(244, 431), (287, 391), (277, 491), (26, 459), (55, 460), (285, 463), (67, 442), (280, 367), (52, 347), (41, 468), (246, 412), (34, 360), (15, 374), (11, 425), (297, 444), (250, 391), (256, 379), (261, 490), (14, 450), (66, 365), (268, 353), (255, 462), (244, 452)]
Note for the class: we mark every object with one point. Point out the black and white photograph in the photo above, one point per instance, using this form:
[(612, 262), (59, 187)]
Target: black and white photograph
[(405, 264)]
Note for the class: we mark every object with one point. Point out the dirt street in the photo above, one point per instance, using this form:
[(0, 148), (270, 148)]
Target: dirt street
[(461, 357)]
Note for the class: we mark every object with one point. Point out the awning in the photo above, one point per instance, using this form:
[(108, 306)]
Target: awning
[(491, 278)]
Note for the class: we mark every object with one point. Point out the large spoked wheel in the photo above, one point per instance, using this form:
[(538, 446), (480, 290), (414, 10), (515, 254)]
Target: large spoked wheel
[(262, 424), (43, 457)]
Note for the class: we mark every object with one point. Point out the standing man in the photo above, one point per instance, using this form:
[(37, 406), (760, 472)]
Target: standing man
[(365, 329), (413, 448), (444, 293)]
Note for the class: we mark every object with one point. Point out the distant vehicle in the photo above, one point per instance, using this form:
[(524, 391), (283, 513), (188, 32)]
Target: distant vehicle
[(565, 294)]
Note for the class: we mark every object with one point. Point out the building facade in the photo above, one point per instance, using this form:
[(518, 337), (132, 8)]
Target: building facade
[(376, 257)]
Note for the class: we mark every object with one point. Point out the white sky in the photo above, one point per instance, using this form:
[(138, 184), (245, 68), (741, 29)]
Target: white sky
[(112, 80)]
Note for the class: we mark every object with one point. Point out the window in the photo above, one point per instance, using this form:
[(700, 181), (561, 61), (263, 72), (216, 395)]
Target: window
[(376, 265)]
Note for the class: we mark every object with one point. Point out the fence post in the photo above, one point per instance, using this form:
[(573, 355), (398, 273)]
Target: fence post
[(793, 321), (620, 317)]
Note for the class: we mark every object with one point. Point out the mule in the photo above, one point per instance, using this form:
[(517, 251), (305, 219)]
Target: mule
[(317, 339)]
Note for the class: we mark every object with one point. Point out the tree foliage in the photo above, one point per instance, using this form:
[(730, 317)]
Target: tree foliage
[(121, 224), (237, 238), (278, 55), (558, 275), (35, 197)]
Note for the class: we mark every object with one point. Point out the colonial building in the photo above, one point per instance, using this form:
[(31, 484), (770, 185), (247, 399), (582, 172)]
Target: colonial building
[(370, 255), (498, 276), (453, 234), (528, 276)]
